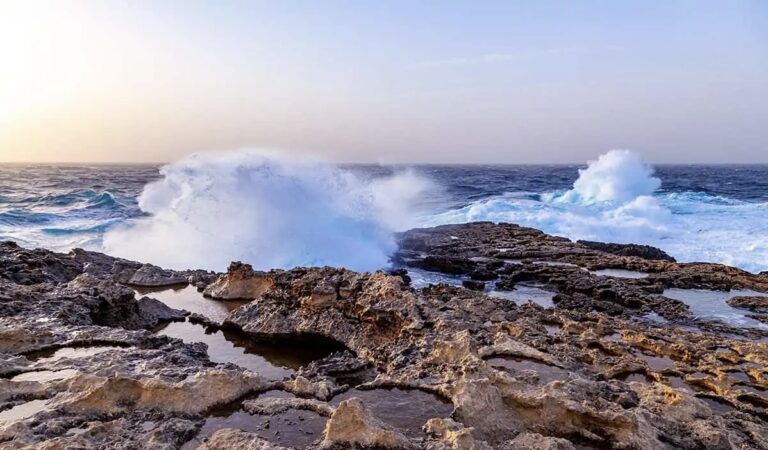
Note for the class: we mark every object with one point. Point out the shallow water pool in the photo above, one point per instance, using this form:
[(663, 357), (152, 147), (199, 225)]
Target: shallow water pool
[(405, 409), (273, 359), (189, 298), (619, 273), (708, 304), (292, 428), (422, 278), (524, 292)]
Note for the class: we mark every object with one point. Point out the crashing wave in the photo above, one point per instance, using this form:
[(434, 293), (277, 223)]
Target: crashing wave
[(268, 209), (615, 199), (618, 176)]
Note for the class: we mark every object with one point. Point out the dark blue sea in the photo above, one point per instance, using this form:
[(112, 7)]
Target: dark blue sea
[(272, 211)]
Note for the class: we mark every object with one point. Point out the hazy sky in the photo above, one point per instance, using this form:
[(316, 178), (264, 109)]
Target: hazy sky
[(388, 81)]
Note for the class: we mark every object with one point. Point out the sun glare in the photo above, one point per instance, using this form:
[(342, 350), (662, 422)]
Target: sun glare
[(44, 54)]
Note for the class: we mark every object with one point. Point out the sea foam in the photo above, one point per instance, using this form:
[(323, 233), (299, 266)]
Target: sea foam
[(271, 210), (616, 198), (616, 176)]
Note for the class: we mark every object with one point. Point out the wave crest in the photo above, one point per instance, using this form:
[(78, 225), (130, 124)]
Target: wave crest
[(614, 200), (269, 210), (618, 176)]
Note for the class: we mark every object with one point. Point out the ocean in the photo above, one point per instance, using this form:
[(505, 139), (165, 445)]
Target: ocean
[(275, 211)]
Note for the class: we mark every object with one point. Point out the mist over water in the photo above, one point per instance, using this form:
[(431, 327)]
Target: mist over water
[(276, 210)]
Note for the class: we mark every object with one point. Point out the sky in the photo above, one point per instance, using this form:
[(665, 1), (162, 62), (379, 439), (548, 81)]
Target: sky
[(397, 81)]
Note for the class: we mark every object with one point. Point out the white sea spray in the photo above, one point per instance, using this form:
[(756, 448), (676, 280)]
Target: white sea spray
[(269, 209)]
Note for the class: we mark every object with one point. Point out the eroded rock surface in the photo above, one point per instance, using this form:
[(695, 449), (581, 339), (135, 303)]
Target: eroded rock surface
[(515, 255), (353, 425), (642, 251), (468, 370), (241, 282), (751, 303)]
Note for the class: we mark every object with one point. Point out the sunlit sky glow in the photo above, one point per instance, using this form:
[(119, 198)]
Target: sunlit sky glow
[(394, 81)]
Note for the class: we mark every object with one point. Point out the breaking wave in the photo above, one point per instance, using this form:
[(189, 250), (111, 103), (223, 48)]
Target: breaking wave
[(617, 199), (267, 209), (618, 176), (271, 209)]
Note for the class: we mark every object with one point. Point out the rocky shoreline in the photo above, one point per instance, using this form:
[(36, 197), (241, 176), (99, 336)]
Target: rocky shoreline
[(617, 361)]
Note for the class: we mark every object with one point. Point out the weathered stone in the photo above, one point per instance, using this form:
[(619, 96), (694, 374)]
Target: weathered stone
[(751, 303), (146, 275), (474, 285), (240, 282), (352, 425), (593, 371), (453, 435), (526, 441), (558, 263), (228, 439), (641, 251)]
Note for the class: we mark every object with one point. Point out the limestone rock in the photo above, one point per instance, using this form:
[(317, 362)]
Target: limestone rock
[(352, 425), (240, 282), (641, 251), (453, 435), (145, 275), (525, 441), (322, 390), (228, 439), (480, 372), (272, 406), (194, 394), (749, 302)]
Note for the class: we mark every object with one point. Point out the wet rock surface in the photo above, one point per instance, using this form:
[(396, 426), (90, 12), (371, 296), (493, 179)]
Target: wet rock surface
[(519, 255), (611, 363), (752, 303), (642, 251)]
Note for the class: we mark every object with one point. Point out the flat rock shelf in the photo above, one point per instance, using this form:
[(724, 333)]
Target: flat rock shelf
[(620, 347)]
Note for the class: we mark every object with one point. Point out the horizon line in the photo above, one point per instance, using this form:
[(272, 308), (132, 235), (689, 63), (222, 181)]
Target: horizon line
[(343, 163)]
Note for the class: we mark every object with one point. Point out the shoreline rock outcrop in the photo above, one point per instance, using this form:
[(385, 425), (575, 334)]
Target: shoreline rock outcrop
[(614, 364)]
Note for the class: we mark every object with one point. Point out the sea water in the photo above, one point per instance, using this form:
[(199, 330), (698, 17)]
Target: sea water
[(279, 211)]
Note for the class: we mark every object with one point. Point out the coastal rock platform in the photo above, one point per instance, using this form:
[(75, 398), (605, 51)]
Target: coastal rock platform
[(611, 363)]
